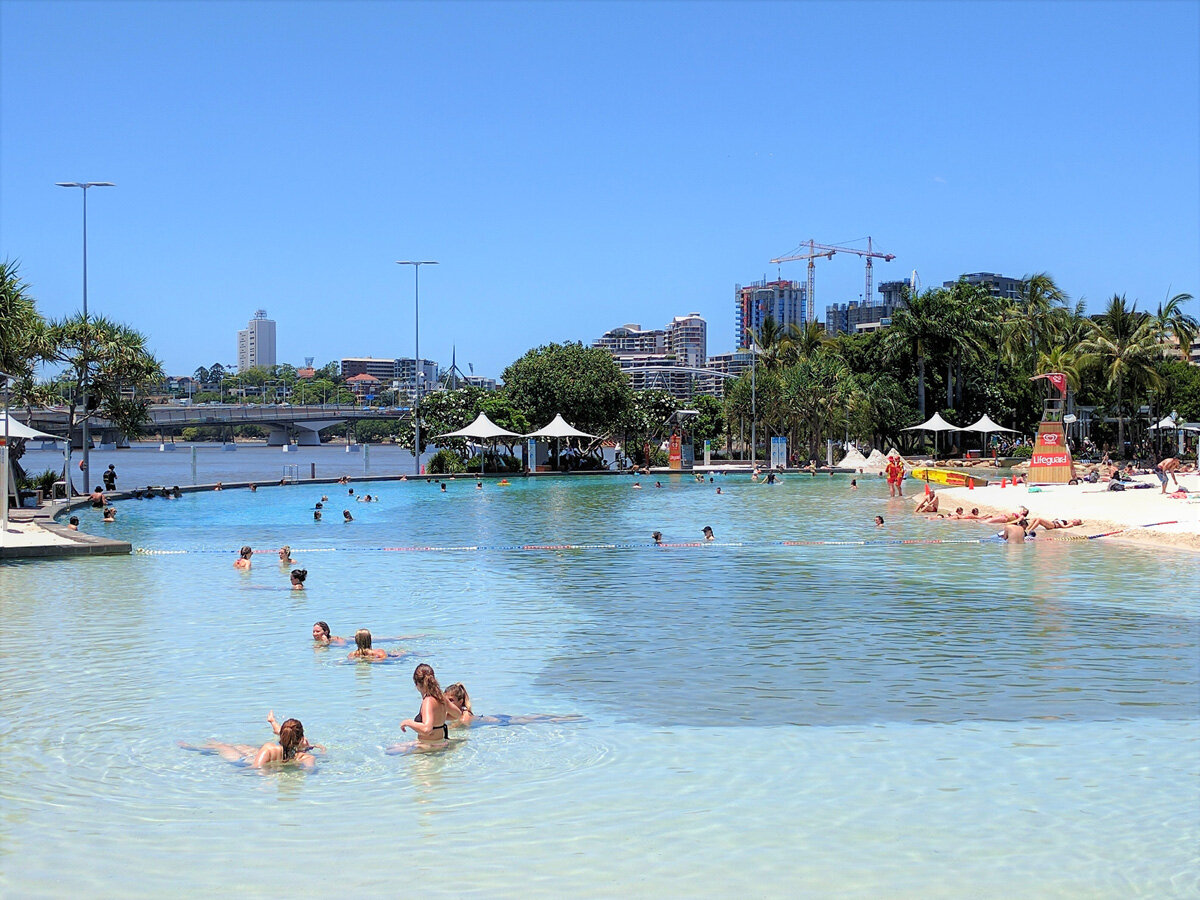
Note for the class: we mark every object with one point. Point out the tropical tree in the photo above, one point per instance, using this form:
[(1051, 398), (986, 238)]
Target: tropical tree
[(584, 384), (24, 335), (1124, 346), (918, 329), (1173, 322)]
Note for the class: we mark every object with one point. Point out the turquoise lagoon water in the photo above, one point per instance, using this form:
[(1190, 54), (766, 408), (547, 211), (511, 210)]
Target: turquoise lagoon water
[(902, 720)]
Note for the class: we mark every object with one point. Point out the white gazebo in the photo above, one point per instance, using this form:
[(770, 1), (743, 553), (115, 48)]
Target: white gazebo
[(558, 429), (482, 429), (986, 426), (934, 423)]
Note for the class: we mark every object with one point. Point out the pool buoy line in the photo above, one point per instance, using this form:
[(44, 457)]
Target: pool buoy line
[(509, 548)]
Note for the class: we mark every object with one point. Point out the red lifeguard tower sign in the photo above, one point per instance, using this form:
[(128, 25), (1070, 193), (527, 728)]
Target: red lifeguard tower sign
[(1051, 462)]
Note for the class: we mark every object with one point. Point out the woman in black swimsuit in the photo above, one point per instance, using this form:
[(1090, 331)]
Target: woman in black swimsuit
[(430, 722)]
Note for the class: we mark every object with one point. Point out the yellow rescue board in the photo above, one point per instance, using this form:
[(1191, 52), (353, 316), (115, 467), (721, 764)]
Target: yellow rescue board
[(948, 477)]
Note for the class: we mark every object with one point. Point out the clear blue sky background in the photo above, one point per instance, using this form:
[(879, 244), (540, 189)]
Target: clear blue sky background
[(576, 166)]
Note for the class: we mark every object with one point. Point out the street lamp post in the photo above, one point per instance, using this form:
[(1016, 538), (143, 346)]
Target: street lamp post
[(87, 439), (7, 477), (416, 264)]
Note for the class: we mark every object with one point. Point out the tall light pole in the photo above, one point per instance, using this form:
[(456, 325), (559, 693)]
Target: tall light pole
[(7, 478), (87, 438), (416, 264)]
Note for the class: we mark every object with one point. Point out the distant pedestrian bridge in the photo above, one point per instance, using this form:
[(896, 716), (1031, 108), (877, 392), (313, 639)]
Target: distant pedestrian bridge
[(286, 424)]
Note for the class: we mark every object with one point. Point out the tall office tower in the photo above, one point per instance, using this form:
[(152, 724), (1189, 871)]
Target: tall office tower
[(256, 343), (687, 338), (783, 301)]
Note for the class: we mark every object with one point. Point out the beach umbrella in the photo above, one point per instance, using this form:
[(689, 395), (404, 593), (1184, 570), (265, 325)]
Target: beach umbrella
[(934, 423), (986, 426), (558, 429), (482, 429)]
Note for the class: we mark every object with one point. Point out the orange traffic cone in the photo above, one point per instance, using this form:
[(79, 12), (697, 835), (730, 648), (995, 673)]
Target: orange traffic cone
[(970, 484), (1003, 482), (927, 491)]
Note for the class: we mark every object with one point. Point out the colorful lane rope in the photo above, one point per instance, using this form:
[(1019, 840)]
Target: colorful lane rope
[(510, 548)]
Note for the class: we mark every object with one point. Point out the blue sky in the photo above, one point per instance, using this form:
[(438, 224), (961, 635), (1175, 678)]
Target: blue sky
[(577, 166)]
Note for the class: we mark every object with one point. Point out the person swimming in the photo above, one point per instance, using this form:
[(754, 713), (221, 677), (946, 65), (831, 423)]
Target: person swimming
[(110, 514), (285, 556), (322, 635), (243, 560), (708, 533), (346, 515), (292, 747), (657, 537), (462, 716), (879, 521), (363, 649), (298, 576)]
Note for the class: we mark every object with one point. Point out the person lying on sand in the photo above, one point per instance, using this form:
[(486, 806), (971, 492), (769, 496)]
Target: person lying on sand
[(1052, 524), (1007, 518)]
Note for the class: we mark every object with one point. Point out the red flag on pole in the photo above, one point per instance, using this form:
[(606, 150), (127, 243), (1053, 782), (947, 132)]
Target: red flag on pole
[(1058, 379)]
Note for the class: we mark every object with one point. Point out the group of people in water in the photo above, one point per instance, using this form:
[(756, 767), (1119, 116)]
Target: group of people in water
[(297, 576), (440, 710)]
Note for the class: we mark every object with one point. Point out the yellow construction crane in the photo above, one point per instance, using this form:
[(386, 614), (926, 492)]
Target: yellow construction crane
[(811, 251)]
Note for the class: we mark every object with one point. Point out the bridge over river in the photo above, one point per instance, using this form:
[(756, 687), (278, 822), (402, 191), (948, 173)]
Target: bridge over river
[(287, 424)]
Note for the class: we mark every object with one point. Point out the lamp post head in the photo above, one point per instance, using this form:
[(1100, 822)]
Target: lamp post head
[(84, 184), (416, 262)]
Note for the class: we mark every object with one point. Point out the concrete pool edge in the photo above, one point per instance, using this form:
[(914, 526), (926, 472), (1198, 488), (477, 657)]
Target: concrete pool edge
[(59, 541)]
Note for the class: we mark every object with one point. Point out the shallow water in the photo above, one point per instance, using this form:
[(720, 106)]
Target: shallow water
[(912, 720)]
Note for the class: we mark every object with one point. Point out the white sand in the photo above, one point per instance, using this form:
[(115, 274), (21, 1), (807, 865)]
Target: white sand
[(1129, 511), (27, 534)]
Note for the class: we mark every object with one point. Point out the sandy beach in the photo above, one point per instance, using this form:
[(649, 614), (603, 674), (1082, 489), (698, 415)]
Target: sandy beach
[(1146, 516)]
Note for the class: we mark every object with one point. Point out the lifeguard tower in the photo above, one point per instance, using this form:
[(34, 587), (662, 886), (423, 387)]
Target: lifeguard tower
[(1051, 462)]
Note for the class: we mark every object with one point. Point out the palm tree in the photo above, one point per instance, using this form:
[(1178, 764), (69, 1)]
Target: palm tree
[(1171, 320), (768, 343), (802, 341), (1125, 345), (1029, 322), (918, 328), (24, 339)]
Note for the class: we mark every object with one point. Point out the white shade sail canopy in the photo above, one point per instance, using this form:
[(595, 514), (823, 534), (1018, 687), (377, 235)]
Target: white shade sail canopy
[(483, 429), (986, 425), (1165, 423), (559, 428), (933, 423), (21, 430)]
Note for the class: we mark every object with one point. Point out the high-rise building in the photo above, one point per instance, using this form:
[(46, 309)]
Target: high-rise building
[(687, 338), (256, 343), (632, 339), (999, 285), (783, 301), (658, 359)]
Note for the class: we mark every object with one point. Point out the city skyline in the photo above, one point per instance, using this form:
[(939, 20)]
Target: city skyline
[(575, 168)]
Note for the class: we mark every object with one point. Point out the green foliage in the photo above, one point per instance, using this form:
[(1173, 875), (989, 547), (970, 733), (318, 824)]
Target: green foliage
[(43, 482), (24, 335), (710, 424), (584, 384), (444, 462), (112, 360)]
